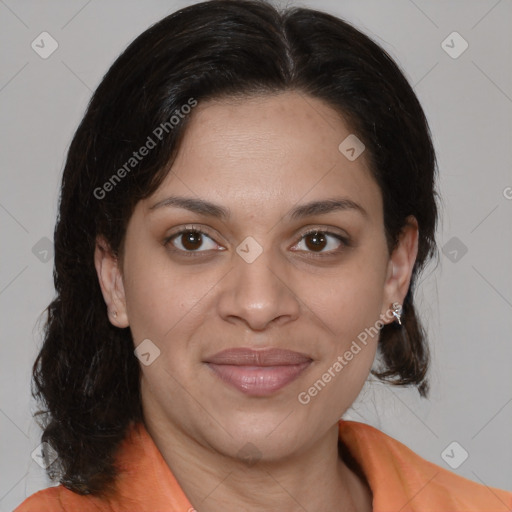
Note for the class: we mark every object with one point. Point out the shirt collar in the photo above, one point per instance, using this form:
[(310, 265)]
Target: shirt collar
[(396, 475)]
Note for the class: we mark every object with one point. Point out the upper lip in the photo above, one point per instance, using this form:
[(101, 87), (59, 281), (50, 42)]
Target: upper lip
[(262, 357)]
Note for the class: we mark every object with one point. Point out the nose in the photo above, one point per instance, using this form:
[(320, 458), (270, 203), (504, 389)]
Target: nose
[(258, 294)]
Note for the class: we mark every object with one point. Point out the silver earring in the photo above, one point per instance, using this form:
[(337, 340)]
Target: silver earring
[(396, 309), (114, 314)]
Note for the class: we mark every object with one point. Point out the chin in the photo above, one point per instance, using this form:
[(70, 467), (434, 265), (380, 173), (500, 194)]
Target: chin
[(269, 436)]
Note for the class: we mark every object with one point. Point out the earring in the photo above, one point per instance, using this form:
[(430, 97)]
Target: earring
[(396, 309), (114, 314)]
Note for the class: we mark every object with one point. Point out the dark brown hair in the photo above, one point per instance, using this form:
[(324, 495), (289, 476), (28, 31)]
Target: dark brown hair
[(86, 376)]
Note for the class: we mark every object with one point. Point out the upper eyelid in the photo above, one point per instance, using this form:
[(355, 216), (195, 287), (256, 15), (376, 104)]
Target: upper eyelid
[(327, 231), (189, 227)]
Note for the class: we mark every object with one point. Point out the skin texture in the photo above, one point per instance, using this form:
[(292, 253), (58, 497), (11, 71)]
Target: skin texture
[(259, 157)]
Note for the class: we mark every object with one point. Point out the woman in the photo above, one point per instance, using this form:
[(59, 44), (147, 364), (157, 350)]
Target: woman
[(245, 209)]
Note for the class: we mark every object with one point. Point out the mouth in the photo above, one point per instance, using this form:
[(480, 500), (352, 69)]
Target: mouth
[(258, 372)]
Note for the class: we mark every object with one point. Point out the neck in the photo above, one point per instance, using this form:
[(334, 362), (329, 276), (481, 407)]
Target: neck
[(316, 479)]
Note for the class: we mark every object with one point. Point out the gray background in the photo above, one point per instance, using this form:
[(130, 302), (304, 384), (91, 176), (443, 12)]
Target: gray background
[(466, 299)]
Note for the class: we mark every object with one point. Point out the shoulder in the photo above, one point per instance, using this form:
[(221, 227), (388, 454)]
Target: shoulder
[(61, 499), (47, 500), (397, 475), (143, 482)]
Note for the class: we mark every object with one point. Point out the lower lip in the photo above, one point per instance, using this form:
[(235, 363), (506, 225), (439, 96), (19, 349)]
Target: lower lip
[(258, 380)]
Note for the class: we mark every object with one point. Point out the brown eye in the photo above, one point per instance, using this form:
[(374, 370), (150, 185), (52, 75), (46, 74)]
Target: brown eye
[(190, 240), (315, 241), (321, 242)]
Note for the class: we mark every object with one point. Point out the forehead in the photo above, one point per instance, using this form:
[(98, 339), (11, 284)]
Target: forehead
[(268, 149), (278, 127)]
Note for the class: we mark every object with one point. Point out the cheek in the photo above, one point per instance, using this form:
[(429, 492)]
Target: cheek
[(349, 301), (163, 301), (349, 310)]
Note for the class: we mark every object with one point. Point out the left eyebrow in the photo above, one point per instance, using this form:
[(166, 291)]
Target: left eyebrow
[(326, 206)]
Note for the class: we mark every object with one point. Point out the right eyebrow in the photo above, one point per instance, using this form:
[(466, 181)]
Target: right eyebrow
[(199, 206)]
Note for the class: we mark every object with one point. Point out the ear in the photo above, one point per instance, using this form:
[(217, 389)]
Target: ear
[(400, 266), (111, 283)]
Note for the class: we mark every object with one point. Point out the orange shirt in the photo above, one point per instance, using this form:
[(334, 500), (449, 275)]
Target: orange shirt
[(401, 481)]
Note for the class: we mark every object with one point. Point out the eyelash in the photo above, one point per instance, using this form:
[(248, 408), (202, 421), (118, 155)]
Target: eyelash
[(345, 242)]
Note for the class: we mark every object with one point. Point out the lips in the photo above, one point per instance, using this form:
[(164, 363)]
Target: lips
[(258, 372)]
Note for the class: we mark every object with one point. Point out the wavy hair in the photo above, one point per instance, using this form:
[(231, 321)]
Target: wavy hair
[(86, 377)]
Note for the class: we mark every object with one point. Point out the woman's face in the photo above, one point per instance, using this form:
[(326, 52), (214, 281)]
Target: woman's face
[(285, 250)]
